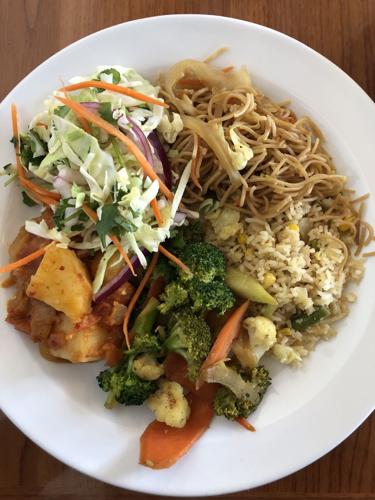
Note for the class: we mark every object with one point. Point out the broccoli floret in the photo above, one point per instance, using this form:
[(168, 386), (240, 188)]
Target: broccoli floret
[(165, 270), (124, 386), (144, 338), (205, 262), (231, 407), (214, 295), (174, 295), (189, 336), (193, 232)]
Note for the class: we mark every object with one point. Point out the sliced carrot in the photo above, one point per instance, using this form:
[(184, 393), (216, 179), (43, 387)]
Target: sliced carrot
[(42, 195), (25, 260), (121, 249), (173, 258), (220, 349), (247, 425), (156, 210), (162, 446), (114, 88), (110, 129), (135, 297), (93, 216)]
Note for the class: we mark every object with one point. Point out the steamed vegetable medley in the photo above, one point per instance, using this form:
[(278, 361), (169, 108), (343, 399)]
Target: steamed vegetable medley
[(115, 267)]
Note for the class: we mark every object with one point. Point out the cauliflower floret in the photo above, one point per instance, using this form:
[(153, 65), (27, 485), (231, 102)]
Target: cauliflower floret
[(255, 341), (170, 129), (147, 368), (286, 354), (169, 404), (225, 222)]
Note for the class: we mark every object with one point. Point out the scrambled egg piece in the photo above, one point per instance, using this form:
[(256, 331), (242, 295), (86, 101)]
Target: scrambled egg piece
[(286, 354), (259, 337), (146, 367), (225, 222), (169, 404)]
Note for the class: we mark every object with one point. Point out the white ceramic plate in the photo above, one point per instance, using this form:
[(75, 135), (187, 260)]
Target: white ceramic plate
[(307, 412)]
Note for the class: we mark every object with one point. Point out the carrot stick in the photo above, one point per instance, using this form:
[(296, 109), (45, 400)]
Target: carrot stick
[(223, 342), (247, 425), (110, 129), (121, 249), (162, 446), (114, 88), (40, 194), (156, 210), (25, 260), (135, 297), (173, 258), (93, 216)]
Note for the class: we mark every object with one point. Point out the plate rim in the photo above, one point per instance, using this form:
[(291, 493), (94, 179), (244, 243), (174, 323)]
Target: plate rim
[(370, 406)]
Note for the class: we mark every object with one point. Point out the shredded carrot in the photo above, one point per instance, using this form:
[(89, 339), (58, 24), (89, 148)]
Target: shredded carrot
[(156, 210), (25, 260), (121, 249), (135, 297), (110, 129), (40, 194), (173, 258), (83, 122), (93, 216), (247, 425), (224, 340), (114, 88), (90, 213), (227, 69)]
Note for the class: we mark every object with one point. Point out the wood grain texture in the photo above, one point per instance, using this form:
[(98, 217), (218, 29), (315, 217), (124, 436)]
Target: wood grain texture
[(343, 31)]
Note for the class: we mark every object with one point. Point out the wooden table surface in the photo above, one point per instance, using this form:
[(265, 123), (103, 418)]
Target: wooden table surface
[(31, 31)]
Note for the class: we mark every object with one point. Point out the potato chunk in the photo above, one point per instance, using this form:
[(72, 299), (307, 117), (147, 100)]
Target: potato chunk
[(62, 282), (76, 346)]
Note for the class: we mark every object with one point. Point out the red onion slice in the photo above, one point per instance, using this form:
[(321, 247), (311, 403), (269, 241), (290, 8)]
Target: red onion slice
[(122, 277), (142, 139), (93, 106), (159, 151)]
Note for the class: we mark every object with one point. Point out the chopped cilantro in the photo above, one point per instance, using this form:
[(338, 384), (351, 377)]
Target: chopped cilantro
[(112, 222), (59, 215), (61, 111), (116, 77), (77, 227), (105, 111)]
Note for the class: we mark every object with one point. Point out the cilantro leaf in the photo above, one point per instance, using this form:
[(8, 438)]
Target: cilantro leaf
[(27, 200), (116, 77), (112, 222), (105, 111), (61, 111), (77, 227), (59, 215)]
